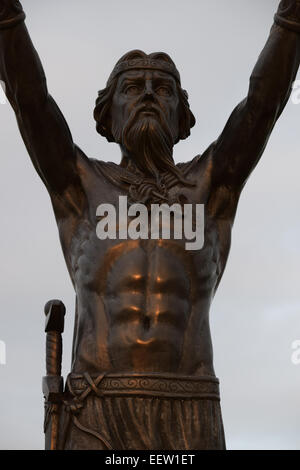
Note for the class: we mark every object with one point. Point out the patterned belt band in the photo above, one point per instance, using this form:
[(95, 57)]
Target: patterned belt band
[(151, 385)]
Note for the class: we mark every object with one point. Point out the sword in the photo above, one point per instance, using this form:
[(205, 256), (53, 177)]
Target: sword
[(53, 382)]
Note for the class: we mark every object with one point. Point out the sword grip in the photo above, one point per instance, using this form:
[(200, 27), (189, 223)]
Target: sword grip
[(53, 353), (54, 326)]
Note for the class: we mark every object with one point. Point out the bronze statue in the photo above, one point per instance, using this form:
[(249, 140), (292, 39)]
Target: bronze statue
[(142, 366)]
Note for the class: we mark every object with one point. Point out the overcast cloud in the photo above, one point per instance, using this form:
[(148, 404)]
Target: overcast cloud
[(255, 315)]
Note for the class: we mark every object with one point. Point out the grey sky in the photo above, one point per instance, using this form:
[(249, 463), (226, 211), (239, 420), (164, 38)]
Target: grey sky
[(255, 315)]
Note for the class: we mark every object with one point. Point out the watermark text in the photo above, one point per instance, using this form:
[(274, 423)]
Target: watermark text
[(295, 358), (161, 221), (2, 92), (2, 353)]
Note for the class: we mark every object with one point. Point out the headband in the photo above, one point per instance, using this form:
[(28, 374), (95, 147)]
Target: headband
[(144, 64)]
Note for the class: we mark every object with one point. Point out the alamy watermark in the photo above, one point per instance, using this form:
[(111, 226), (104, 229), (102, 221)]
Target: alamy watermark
[(295, 358), (2, 92), (2, 353), (138, 222), (296, 92)]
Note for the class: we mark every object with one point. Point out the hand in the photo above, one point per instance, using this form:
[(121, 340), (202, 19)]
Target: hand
[(288, 8), (288, 15), (11, 12), (9, 9)]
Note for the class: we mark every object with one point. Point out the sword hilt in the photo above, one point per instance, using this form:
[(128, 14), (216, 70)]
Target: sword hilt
[(54, 327), (53, 382)]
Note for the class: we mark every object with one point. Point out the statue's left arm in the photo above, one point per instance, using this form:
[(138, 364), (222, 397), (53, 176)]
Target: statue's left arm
[(242, 142)]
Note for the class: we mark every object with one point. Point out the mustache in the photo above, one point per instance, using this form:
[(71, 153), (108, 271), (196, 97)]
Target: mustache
[(158, 115), (148, 137)]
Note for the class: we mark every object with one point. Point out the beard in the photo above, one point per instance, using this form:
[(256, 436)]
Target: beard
[(149, 140)]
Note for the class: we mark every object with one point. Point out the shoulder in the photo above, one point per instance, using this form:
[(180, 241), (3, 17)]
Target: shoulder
[(95, 173), (200, 163), (187, 167), (88, 167)]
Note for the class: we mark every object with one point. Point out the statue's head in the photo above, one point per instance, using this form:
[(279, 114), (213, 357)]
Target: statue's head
[(144, 109)]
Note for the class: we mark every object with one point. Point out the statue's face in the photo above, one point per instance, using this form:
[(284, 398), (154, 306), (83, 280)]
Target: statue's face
[(146, 94)]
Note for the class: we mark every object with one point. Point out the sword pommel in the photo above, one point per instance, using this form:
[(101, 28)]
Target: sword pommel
[(55, 313)]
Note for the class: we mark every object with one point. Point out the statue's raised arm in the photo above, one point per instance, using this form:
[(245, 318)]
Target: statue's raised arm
[(242, 142), (43, 128)]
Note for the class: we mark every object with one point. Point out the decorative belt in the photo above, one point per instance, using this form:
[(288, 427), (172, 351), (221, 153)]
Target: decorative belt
[(145, 384)]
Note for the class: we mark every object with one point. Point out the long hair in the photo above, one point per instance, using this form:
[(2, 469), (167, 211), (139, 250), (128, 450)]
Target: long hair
[(103, 103)]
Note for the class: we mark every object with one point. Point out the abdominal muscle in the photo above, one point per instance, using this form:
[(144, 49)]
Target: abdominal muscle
[(151, 324)]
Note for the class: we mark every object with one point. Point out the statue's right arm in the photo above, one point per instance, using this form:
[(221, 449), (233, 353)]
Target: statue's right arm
[(42, 126)]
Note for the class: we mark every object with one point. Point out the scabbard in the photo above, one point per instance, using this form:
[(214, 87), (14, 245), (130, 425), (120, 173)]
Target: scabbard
[(53, 395)]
